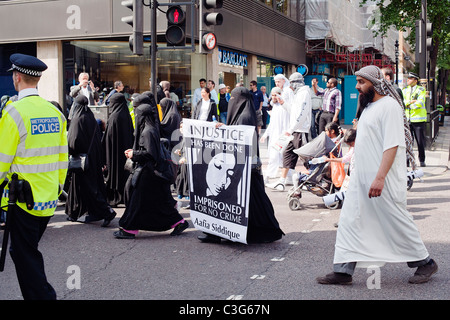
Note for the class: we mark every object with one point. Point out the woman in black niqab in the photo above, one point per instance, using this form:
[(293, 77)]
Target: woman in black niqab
[(87, 193), (150, 205), (170, 122), (117, 138), (262, 223), (263, 227)]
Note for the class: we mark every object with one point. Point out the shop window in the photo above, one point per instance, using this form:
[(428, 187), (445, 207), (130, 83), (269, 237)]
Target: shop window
[(6, 50), (107, 61)]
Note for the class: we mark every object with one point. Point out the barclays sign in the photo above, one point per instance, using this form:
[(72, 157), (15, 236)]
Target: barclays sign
[(232, 58)]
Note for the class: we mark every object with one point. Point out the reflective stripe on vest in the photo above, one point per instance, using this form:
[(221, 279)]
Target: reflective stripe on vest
[(37, 151)]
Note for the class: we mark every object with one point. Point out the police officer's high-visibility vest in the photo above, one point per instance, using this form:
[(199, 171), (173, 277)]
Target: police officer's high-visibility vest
[(131, 110), (34, 145), (415, 112)]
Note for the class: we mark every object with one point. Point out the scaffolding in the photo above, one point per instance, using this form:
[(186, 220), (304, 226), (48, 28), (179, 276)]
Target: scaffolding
[(340, 33)]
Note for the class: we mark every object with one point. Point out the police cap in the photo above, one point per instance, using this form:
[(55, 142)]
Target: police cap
[(26, 64), (413, 75)]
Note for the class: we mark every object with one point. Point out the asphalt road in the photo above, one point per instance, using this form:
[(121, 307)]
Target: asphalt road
[(157, 266)]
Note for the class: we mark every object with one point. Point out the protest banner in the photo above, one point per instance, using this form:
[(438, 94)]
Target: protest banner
[(219, 161)]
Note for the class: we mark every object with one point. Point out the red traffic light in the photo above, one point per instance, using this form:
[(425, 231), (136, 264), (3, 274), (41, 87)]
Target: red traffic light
[(175, 15)]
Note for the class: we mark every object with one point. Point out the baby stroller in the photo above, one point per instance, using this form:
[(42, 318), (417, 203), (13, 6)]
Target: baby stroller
[(319, 180)]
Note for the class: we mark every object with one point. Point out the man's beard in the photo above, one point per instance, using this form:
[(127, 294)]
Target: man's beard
[(364, 99)]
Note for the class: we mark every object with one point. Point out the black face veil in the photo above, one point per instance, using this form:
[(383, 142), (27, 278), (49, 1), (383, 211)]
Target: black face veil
[(241, 110), (147, 135)]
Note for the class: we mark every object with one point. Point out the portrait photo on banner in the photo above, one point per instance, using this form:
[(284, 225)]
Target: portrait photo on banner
[(220, 162)]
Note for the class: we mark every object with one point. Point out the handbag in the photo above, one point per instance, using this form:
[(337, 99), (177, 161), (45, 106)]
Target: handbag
[(129, 165), (165, 168), (338, 173), (80, 162)]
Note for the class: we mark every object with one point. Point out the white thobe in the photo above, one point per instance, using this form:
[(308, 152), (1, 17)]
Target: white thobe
[(300, 111), (378, 229), (279, 122)]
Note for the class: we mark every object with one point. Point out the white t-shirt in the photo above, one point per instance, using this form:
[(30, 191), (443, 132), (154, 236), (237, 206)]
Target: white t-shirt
[(204, 110)]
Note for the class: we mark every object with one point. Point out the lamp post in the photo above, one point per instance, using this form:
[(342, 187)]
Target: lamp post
[(396, 62)]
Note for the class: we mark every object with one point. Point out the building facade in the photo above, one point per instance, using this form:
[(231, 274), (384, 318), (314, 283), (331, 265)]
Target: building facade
[(74, 36)]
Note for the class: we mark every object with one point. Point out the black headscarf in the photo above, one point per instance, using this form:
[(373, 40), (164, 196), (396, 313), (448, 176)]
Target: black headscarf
[(117, 138), (147, 132), (82, 128), (241, 110), (151, 96), (171, 119), (145, 98)]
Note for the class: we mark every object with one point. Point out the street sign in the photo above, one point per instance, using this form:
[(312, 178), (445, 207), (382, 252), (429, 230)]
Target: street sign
[(209, 41), (302, 69), (278, 69)]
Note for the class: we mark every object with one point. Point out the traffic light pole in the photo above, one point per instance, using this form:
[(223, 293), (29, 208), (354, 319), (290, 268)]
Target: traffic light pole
[(154, 47), (423, 40), (154, 36)]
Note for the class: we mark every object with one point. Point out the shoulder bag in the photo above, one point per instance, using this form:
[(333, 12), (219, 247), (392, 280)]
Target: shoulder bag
[(80, 162)]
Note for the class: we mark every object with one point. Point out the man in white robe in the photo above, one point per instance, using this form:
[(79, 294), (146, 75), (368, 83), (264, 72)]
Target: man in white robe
[(299, 109), (279, 121), (374, 225)]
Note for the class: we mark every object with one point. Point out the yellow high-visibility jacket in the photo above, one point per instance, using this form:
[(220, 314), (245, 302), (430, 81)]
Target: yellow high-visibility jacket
[(415, 112), (34, 145)]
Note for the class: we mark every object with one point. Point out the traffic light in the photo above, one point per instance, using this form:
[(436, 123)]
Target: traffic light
[(176, 26), (209, 19), (137, 22), (429, 32)]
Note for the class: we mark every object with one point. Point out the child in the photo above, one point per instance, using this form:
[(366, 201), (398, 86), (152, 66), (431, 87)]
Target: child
[(333, 131), (182, 181), (349, 139)]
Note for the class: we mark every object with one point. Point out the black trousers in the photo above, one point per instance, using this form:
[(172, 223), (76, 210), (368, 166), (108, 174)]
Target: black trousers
[(349, 267), (418, 131), (265, 117), (325, 118), (26, 232)]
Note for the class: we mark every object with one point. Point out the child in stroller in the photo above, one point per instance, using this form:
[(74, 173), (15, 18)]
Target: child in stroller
[(318, 180)]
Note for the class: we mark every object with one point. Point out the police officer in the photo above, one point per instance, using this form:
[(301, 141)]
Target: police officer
[(414, 97), (34, 145)]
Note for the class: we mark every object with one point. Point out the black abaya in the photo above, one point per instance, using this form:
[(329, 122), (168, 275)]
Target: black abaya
[(262, 223), (86, 192), (170, 122), (151, 206), (117, 138)]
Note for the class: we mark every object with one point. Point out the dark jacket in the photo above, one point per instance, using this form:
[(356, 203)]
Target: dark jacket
[(212, 110)]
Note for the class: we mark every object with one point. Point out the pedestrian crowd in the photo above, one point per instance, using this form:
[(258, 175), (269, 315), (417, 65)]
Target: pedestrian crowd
[(125, 161)]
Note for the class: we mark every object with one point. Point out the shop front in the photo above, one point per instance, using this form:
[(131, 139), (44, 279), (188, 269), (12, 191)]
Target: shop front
[(233, 67), (89, 36), (110, 60)]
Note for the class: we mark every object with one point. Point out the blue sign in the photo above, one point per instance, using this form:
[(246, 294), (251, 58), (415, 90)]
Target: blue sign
[(278, 70), (233, 58), (44, 125), (302, 69)]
